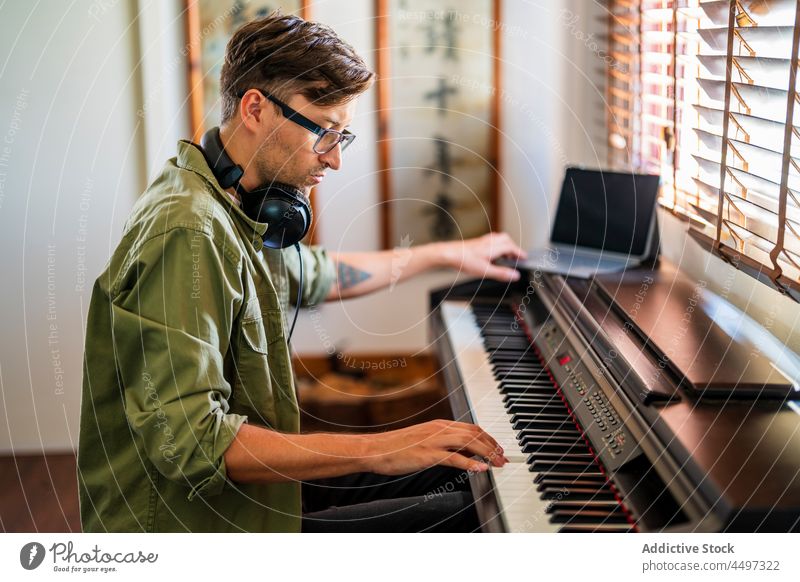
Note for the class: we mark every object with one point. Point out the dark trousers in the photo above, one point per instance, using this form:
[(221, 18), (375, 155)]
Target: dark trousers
[(434, 500)]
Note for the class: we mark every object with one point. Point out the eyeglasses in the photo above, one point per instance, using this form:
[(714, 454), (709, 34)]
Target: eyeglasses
[(327, 139)]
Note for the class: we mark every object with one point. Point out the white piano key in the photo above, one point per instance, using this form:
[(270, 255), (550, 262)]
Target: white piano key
[(523, 510)]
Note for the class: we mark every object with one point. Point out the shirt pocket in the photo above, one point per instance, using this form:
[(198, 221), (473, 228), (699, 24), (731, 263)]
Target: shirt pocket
[(253, 388)]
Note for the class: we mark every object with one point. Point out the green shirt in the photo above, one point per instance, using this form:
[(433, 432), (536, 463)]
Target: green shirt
[(185, 341)]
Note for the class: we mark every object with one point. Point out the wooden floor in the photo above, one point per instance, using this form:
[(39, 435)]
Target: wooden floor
[(39, 493)]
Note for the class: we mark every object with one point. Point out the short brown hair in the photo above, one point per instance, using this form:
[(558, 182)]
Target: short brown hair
[(286, 54)]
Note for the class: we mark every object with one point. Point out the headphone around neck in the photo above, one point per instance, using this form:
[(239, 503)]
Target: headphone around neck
[(284, 208)]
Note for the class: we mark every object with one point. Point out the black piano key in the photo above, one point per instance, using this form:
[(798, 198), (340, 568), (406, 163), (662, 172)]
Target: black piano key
[(587, 516), (562, 440), (551, 398), (519, 366), (506, 376), (597, 528), (541, 409), (532, 412), (529, 401), (594, 484), (567, 457), (538, 410), (552, 436), (553, 406), (549, 395), (527, 423), (505, 342), (534, 399), (580, 505), (534, 403), (519, 355), (537, 466), (556, 474), (534, 391), (553, 447), (550, 419), (536, 434), (576, 493), (545, 385), (496, 354), (535, 385)]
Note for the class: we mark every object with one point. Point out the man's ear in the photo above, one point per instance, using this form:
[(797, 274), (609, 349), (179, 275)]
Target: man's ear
[(255, 110)]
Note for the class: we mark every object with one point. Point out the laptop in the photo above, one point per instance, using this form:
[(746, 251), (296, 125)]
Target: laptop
[(605, 222)]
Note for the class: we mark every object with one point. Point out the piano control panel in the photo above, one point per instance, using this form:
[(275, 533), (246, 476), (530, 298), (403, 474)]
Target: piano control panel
[(590, 404)]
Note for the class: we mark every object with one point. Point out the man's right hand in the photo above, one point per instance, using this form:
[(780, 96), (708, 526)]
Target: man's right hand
[(438, 442)]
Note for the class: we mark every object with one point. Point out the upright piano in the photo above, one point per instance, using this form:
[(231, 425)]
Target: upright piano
[(632, 402)]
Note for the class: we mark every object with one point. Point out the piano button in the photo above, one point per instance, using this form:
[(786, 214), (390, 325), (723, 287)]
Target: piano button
[(587, 516)]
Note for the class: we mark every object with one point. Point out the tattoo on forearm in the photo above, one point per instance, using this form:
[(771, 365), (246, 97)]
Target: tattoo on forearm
[(349, 276)]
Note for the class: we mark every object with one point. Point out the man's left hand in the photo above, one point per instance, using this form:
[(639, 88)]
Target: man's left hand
[(476, 256)]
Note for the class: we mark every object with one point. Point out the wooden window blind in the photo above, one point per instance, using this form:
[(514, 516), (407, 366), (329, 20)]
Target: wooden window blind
[(715, 113)]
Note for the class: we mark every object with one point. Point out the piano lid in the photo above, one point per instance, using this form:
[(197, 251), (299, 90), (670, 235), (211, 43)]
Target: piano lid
[(706, 341)]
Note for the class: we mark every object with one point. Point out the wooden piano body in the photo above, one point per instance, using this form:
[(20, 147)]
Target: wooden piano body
[(632, 402)]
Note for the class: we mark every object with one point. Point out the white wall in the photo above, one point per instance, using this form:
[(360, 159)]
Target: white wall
[(68, 95)]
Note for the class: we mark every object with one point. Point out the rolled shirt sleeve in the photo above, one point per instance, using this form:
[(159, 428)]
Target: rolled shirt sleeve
[(172, 318), (319, 273)]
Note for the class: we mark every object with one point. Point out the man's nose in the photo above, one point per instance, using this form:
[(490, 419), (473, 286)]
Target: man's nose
[(333, 158)]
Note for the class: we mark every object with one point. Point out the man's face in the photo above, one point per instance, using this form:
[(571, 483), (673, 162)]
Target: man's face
[(287, 153)]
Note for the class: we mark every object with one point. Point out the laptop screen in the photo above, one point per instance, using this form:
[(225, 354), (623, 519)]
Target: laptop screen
[(610, 211)]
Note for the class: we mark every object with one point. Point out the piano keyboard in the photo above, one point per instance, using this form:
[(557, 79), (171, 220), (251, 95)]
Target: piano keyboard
[(552, 482)]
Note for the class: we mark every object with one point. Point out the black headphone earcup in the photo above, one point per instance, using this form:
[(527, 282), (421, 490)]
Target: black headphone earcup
[(284, 209)]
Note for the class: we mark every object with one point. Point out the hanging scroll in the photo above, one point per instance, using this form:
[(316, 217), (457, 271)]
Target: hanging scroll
[(438, 117)]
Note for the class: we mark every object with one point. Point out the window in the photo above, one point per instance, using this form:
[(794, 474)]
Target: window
[(713, 108)]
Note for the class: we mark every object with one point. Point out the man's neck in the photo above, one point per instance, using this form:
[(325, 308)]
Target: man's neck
[(239, 154)]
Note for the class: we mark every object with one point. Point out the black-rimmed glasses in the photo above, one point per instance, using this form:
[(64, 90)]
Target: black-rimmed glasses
[(327, 139)]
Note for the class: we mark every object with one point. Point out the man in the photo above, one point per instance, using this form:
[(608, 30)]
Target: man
[(189, 418)]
